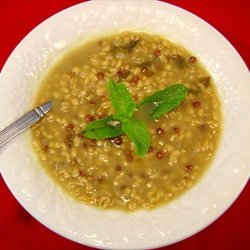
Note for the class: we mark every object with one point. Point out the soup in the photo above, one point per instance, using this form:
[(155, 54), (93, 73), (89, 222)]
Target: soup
[(108, 173)]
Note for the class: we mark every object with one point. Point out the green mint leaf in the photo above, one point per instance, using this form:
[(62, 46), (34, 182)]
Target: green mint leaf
[(102, 128), (121, 100), (167, 99), (171, 94), (138, 133), (164, 108)]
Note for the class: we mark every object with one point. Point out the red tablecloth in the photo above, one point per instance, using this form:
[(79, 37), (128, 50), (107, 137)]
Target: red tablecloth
[(18, 230)]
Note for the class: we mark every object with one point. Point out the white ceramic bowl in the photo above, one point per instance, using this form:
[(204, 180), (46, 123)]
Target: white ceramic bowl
[(185, 216)]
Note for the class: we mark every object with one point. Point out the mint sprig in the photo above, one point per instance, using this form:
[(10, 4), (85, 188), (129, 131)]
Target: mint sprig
[(124, 106), (123, 122)]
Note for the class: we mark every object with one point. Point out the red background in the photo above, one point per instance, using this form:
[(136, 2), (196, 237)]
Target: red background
[(18, 230)]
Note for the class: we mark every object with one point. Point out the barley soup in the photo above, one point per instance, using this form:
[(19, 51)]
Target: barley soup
[(107, 173)]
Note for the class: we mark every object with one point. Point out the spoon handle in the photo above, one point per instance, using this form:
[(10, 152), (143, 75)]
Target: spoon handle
[(24, 122)]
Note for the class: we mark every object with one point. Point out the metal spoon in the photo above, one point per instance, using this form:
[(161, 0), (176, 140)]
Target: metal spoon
[(24, 122)]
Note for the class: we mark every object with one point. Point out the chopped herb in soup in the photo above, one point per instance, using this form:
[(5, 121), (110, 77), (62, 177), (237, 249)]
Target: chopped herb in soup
[(136, 121)]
